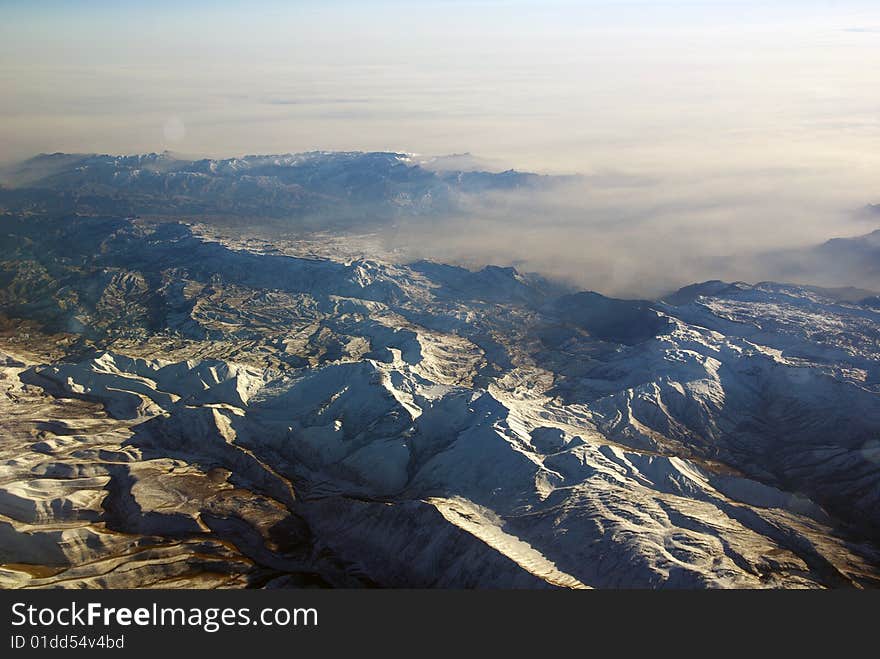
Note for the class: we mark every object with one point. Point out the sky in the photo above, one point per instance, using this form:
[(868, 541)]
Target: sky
[(735, 115), (562, 86)]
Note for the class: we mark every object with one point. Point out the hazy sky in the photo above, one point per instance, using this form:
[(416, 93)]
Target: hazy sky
[(736, 110), (546, 85)]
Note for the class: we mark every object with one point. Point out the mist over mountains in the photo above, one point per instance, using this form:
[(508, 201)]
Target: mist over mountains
[(609, 232), (242, 373), (854, 261)]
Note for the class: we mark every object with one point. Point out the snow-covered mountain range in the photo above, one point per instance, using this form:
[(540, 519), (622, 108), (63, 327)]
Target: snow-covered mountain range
[(181, 410), (316, 188)]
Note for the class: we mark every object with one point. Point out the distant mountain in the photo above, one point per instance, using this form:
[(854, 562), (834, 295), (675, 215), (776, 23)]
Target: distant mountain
[(871, 211), (839, 262), (322, 187)]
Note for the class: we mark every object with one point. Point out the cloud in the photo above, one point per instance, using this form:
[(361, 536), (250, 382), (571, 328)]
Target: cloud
[(314, 101), (640, 237)]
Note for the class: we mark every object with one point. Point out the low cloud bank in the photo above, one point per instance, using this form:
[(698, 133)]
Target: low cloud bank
[(638, 236)]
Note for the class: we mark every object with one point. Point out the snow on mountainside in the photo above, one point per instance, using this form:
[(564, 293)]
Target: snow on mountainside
[(323, 188), (181, 412)]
